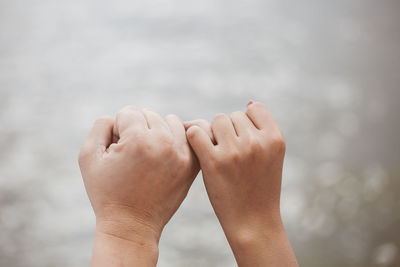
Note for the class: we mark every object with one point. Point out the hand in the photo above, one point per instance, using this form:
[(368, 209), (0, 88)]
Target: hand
[(137, 170), (242, 173)]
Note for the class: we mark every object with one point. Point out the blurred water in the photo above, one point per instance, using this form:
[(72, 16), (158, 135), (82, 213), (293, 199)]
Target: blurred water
[(329, 71)]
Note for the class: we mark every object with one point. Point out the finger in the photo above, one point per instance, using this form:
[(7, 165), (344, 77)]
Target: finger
[(154, 120), (176, 127), (222, 129), (129, 117), (242, 123), (200, 142), (260, 115), (99, 137), (203, 124)]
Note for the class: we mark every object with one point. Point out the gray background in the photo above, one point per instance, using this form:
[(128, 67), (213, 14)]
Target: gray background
[(328, 70)]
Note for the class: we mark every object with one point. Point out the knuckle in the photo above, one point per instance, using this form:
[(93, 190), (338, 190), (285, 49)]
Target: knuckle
[(278, 143), (258, 105), (172, 117), (120, 113), (125, 110), (237, 114), (218, 118)]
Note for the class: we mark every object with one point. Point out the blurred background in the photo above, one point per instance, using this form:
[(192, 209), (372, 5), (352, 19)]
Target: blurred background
[(328, 70)]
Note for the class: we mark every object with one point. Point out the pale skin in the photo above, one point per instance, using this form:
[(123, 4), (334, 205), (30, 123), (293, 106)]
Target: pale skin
[(138, 168), (242, 170)]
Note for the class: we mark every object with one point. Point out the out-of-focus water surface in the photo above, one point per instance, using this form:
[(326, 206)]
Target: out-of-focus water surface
[(328, 70)]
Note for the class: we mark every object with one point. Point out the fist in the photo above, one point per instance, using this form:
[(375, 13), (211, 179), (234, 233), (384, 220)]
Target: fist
[(137, 169), (242, 169)]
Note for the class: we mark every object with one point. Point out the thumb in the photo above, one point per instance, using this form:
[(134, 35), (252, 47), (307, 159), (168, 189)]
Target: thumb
[(200, 142), (203, 124), (98, 140)]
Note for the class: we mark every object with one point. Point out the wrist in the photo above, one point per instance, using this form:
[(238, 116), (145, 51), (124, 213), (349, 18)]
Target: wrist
[(135, 233), (254, 235), (125, 222), (250, 228), (261, 245), (124, 244)]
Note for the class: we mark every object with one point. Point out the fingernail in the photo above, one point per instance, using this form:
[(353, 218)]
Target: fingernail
[(250, 102)]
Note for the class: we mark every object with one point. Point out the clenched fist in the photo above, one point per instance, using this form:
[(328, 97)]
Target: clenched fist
[(242, 171), (137, 170)]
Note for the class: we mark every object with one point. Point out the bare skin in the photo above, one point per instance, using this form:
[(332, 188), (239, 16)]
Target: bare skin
[(137, 170), (242, 170)]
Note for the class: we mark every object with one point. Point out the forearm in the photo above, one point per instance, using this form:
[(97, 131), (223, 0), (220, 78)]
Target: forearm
[(119, 246), (266, 247)]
